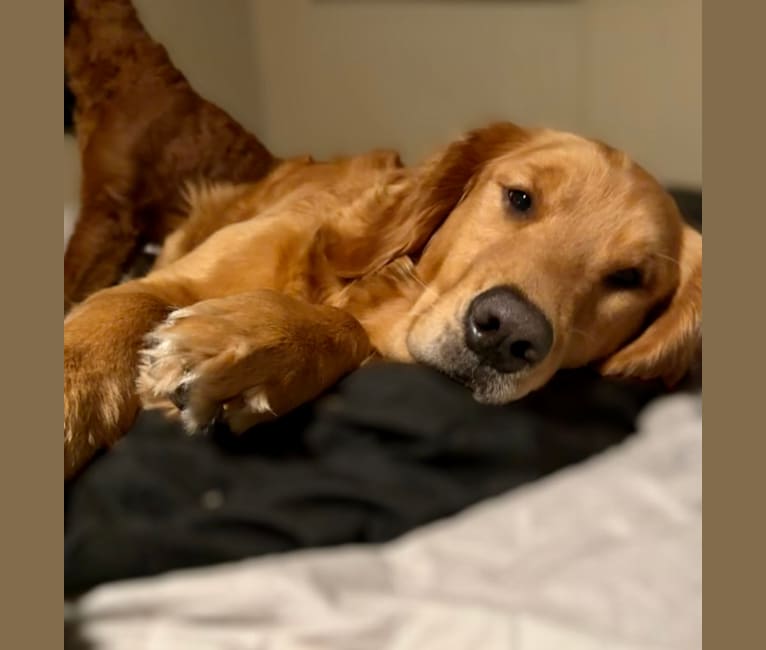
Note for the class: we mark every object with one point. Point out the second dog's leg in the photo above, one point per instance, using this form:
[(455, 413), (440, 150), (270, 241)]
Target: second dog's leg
[(99, 249)]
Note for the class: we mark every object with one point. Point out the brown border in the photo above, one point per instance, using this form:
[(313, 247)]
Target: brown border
[(32, 473), (733, 537)]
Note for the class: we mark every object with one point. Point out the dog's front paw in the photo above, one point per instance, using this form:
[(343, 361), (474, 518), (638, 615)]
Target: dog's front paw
[(247, 358), (209, 368), (244, 359)]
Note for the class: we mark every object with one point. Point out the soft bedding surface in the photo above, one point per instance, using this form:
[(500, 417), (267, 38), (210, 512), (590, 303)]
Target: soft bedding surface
[(391, 448), (603, 555)]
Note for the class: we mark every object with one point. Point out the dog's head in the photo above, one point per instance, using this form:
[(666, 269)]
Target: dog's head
[(546, 250)]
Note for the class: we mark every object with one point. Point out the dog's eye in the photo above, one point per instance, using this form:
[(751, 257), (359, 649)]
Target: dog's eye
[(519, 200), (630, 278)]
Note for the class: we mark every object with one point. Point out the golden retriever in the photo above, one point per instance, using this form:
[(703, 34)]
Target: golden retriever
[(508, 255)]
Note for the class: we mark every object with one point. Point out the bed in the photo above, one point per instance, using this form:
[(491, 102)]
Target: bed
[(605, 554)]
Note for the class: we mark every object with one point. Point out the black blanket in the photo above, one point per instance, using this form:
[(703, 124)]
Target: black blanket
[(391, 448)]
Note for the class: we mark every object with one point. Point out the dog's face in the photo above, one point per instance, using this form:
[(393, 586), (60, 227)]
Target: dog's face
[(559, 252)]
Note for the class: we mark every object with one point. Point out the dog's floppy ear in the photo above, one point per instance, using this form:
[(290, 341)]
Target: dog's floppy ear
[(404, 226), (668, 346)]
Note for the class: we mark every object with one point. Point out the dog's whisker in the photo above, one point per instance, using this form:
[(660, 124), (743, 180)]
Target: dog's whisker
[(662, 256), (426, 287), (582, 333)]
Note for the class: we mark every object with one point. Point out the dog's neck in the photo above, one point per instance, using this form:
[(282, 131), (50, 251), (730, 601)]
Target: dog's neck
[(383, 303)]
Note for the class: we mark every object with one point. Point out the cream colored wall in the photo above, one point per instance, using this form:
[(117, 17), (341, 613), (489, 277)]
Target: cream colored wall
[(642, 73), (341, 76)]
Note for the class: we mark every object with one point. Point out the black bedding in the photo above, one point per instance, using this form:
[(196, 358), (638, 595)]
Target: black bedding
[(391, 448)]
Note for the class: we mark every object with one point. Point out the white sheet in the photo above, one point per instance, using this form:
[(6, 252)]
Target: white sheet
[(602, 556), (71, 212)]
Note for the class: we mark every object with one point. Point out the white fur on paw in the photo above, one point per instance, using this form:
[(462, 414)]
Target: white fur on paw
[(163, 370), (171, 372), (177, 315), (257, 400), (160, 370)]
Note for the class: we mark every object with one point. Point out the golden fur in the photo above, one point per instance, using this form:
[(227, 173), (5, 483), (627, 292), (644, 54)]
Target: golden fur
[(285, 285)]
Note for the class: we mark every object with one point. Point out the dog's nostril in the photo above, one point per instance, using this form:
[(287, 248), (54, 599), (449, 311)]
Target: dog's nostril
[(490, 323), (524, 350)]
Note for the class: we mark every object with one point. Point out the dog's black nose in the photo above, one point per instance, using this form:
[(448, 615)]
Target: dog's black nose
[(507, 331)]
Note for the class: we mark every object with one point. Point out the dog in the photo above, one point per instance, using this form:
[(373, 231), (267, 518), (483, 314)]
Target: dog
[(143, 133), (510, 254)]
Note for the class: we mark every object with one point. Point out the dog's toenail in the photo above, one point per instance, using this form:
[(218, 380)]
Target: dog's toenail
[(180, 396), (215, 424)]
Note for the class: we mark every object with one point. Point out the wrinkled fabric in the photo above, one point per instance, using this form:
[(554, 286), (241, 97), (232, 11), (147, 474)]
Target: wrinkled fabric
[(604, 555), (392, 448)]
